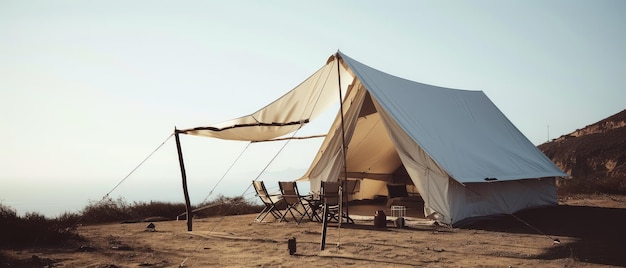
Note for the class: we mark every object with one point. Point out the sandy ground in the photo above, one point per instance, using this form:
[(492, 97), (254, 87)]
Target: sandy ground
[(590, 231)]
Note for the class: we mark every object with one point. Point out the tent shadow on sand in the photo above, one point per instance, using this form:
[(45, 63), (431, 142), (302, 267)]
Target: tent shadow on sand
[(599, 233)]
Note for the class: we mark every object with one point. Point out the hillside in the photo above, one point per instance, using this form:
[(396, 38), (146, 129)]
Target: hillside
[(594, 157)]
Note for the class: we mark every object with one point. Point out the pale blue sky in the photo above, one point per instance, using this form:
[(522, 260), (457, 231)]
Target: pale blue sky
[(90, 88)]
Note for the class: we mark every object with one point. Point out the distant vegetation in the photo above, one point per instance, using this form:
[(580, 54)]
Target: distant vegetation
[(109, 210), (34, 229)]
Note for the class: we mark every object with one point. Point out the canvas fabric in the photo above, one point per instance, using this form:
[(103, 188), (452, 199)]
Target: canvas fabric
[(463, 155)]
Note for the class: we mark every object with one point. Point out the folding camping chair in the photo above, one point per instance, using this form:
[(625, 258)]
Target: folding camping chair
[(294, 201), (331, 208), (271, 202), (331, 202)]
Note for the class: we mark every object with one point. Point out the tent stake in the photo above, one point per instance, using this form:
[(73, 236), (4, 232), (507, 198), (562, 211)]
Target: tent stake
[(184, 176)]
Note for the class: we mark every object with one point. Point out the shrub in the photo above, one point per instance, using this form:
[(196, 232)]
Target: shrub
[(109, 210), (35, 229), (105, 211), (222, 205), (166, 210)]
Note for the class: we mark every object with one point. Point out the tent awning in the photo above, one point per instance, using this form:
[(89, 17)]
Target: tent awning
[(286, 114)]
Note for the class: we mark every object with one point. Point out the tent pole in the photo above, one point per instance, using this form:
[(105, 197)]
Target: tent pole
[(343, 150), (184, 177), (343, 145)]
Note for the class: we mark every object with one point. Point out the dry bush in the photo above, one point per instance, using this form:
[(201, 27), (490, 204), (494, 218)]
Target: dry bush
[(573, 186), (34, 229), (109, 210), (105, 211), (222, 206), (156, 209)]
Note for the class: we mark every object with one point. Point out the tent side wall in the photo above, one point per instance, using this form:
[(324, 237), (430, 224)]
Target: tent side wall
[(450, 202), (474, 200)]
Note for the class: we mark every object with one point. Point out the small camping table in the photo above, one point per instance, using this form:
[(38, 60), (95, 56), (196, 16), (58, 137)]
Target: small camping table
[(314, 203)]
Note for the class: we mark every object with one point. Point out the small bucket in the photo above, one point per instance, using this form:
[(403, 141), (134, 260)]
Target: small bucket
[(380, 219)]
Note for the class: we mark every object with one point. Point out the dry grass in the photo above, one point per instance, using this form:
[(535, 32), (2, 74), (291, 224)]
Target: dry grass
[(35, 230)]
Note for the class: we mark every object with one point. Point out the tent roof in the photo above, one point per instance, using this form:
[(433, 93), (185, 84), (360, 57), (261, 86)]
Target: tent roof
[(462, 130)]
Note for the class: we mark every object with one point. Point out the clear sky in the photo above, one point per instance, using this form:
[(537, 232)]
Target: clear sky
[(89, 88)]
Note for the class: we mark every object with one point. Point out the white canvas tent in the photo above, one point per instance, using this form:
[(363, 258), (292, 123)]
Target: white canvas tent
[(463, 155)]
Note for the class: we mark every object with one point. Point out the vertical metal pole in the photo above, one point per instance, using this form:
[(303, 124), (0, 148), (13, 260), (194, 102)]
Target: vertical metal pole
[(184, 176)]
